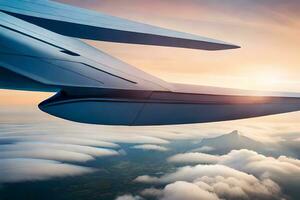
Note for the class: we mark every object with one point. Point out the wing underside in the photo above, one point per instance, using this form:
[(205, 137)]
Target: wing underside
[(163, 108), (93, 87)]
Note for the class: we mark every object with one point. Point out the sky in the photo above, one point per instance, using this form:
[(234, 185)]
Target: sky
[(268, 32)]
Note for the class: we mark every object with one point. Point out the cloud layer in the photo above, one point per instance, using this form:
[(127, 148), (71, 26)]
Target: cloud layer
[(194, 158), (282, 169), (240, 174), (150, 147), (21, 169), (39, 140), (27, 153), (29, 161)]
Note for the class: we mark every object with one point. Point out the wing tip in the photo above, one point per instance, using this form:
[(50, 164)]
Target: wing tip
[(231, 46), (216, 46)]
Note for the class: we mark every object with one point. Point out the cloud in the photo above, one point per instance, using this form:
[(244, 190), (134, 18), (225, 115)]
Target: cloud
[(214, 182), (218, 188), (25, 146), (61, 139), (188, 191), (194, 158), (40, 161), (190, 173), (204, 149), (147, 179), (152, 192), (129, 138), (150, 147), (128, 197), (240, 174), (75, 143), (297, 139), (47, 154), (281, 170), (21, 169), (40, 139), (289, 160), (53, 151), (72, 134), (29, 155)]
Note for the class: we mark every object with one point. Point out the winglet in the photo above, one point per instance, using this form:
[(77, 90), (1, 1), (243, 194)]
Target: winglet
[(82, 23)]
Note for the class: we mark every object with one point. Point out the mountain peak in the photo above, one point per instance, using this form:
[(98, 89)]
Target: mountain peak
[(230, 141), (234, 133)]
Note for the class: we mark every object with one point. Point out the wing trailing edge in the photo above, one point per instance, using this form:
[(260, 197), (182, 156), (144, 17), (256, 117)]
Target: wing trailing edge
[(82, 23)]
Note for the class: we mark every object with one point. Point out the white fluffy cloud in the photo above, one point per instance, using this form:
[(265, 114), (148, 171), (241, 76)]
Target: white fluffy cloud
[(220, 188), (281, 169), (150, 147), (188, 191), (214, 182), (240, 174), (20, 169), (194, 158)]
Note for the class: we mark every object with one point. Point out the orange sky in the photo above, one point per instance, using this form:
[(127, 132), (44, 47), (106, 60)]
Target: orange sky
[(268, 33)]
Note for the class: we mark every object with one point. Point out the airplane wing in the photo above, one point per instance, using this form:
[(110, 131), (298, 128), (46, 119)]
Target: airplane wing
[(81, 23), (93, 87)]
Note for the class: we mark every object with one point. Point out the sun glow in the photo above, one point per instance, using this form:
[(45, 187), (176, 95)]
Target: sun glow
[(267, 79), (271, 79)]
